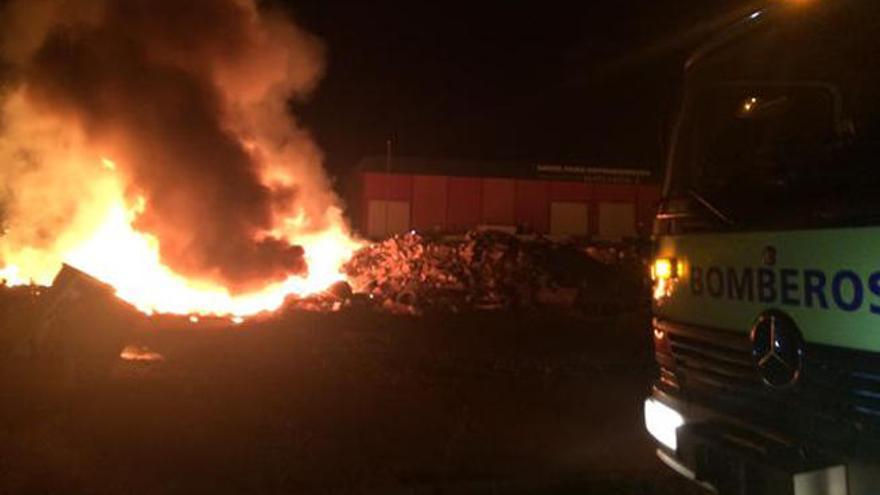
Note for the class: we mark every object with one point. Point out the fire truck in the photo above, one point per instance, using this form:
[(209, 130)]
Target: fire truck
[(766, 311)]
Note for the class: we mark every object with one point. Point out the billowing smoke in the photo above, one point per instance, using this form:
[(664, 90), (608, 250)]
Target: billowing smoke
[(188, 102)]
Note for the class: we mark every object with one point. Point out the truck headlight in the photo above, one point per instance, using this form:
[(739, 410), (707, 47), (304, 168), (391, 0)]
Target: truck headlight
[(662, 421)]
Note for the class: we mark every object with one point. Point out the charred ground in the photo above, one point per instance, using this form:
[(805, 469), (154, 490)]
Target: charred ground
[(347, 402)]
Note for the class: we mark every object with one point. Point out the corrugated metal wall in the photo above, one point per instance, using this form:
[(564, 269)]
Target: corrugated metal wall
[(545, 206), (465, 202), (533, 205), (498, 201), (429, 201)]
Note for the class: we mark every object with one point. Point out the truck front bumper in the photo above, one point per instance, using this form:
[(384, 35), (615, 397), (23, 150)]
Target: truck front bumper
[(726, 455)]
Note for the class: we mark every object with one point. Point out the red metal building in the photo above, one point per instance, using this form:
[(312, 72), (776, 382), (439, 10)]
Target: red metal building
[(604, 204)]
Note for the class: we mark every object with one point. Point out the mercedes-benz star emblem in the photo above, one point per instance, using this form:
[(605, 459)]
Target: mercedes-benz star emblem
[(778, 349)]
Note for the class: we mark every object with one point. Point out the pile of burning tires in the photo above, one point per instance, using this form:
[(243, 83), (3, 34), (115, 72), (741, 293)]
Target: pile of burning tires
[(489, 270)]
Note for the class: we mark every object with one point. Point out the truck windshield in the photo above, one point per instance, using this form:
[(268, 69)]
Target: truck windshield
[(781, 128)]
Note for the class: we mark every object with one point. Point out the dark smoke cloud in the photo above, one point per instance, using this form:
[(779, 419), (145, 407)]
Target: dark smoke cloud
[(145, 80)]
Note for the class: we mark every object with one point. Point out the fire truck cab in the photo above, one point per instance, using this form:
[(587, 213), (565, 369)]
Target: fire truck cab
[(766, 312)]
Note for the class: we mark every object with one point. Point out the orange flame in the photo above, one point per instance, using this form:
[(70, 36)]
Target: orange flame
[(111, 250), (64, 198)]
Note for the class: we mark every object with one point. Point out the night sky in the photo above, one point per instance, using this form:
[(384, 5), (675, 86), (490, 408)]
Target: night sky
[(501, 80)]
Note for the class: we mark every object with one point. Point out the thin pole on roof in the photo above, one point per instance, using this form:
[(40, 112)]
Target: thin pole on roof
[(387, 182), (388, 156)]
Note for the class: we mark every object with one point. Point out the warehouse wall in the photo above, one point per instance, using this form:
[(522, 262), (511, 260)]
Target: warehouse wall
[(464, 208), (392, 203), (499, 205), (649, 199), (533, 204), (429, 201), (385, 204)]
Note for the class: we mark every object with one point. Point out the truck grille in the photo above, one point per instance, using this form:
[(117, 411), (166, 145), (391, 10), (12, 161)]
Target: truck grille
[(713, 358), (837, 387), (846, 378)]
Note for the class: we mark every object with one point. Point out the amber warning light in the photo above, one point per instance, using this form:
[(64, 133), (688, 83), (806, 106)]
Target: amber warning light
[(664, 269), (664, 273)]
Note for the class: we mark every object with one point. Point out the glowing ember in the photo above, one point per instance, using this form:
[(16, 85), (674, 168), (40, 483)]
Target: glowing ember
[(180, 179), (140, 353)]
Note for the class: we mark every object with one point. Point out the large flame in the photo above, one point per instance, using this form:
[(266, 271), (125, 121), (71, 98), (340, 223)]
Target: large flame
[(110, 249), (161, 157)]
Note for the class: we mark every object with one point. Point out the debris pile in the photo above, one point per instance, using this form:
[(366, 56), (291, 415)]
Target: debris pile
[(406, 274), (487, 270)]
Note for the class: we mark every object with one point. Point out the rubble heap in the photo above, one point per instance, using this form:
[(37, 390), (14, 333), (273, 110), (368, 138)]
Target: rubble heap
[(486, 270), (406, 274)]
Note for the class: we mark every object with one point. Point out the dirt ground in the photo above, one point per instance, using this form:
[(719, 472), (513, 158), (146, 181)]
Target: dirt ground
[(345, 403)]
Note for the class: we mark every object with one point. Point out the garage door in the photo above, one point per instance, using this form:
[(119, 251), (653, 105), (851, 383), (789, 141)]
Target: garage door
[(386, 218), (617, 221), (569, 219)]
